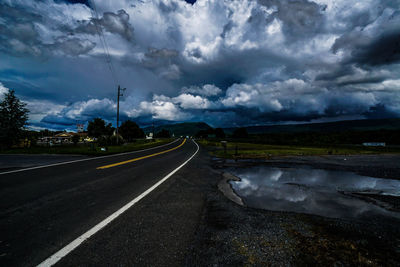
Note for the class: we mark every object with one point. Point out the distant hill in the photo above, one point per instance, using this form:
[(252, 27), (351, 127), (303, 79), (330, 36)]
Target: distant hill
[(339, 126), (180, 129)]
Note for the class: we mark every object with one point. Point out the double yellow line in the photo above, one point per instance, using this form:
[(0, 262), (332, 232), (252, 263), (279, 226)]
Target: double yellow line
[(144, 157)]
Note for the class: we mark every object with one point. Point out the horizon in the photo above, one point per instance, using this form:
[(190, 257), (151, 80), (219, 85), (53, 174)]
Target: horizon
[(225, 63), (144, 127)]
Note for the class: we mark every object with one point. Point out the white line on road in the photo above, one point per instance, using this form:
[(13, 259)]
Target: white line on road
[(74, 244), (79, 160)]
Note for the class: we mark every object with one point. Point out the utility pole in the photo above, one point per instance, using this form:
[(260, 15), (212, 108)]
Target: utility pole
[(119, 94)]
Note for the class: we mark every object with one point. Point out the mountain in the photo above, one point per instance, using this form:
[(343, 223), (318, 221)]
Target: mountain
[(338, 126), (180, 129), (191, 128)]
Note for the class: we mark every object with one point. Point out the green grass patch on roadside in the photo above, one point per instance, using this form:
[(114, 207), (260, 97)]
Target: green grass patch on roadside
[(253, 150), (89, 149)]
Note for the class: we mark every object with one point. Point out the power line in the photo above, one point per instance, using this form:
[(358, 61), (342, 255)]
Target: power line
[(108, 58), (103, 41)]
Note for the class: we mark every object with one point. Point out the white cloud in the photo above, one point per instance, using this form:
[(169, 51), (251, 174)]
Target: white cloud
[(105, 107), (162, 110), (187, 101), (38, 109), (3, 90), (253, 96)]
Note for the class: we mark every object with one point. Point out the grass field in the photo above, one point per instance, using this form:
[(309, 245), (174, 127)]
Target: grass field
[(252, 150), (89, 150)]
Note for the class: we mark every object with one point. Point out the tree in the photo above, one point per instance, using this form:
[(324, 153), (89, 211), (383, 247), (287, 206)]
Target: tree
[(240, 133), (109, 130), (130, 130), (13, 117), (75, 139), (97, 128), (219, 133), (163, 134)]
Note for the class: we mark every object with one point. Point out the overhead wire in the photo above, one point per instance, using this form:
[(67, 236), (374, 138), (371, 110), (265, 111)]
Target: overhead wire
[(103, 41)]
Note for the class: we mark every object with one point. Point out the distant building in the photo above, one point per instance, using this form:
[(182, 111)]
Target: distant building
[(374, 144), (60, 138), (63, 138)]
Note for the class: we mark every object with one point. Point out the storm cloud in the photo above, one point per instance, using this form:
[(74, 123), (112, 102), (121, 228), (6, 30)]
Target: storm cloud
[(228, 63)]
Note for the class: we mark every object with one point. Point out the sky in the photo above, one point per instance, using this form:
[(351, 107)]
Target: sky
[(225, 62)]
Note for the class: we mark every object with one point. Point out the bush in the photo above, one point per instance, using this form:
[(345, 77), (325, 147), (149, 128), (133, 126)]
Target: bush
[(163, 134), (113, 140), (240, 133), (75, 139)]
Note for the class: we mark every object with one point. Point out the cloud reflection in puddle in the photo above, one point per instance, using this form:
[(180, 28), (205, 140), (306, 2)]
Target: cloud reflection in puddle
[(312, 191)]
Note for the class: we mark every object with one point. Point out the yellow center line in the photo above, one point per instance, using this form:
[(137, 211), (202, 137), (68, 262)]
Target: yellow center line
[(140, 158)]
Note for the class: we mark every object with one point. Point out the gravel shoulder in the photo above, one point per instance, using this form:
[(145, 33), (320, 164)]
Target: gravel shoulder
[(232, 235)]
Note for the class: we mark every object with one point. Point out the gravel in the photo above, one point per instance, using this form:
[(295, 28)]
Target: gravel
[(233, 235)]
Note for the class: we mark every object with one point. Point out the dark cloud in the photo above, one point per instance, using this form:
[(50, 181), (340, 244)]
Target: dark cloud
[(383, 50), (168, 7), (24, 38), (349, 40), (225, 62), (301, 18), (379, 112), (155, 58), (117, 23), (85, 2), (231, 67), (72, 46), (56, 120), (377, 79), (335, 73)]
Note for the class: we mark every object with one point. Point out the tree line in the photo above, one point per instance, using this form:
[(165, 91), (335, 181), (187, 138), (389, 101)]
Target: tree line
[(14, 118), (106, 135), (219, 133)]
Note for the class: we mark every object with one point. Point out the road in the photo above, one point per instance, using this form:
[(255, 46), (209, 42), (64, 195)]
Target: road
[(45, 209)]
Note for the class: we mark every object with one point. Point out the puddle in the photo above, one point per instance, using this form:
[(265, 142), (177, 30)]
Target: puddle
[(334, 194)]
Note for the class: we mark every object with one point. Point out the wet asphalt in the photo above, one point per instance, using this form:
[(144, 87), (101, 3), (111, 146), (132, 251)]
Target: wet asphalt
[(42, 210)]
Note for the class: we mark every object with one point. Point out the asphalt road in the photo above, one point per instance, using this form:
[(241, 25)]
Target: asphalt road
[(44, 209), (9, 162)]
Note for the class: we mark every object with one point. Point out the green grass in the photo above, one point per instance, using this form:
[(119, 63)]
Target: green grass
[(251, 150), (88, 150)]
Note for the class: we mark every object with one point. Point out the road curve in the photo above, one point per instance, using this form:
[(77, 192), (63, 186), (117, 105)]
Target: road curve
[(44, 209)]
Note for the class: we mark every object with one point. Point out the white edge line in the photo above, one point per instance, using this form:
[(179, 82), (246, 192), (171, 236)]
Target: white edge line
[(79, 160), (53, 259)]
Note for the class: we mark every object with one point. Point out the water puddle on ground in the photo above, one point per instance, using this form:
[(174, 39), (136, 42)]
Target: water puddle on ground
[(334, 194)]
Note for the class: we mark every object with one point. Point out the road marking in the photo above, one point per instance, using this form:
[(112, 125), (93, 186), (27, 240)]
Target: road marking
[(140, 158), (79, 160), (74, 244)]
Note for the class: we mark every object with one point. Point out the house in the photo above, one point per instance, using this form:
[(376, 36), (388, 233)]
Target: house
[(62, 138)]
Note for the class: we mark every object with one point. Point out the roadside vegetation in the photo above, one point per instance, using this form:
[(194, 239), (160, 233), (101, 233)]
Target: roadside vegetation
[(90, 149), (100, 137), (240, 144), (13, 117), (235, 149)]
